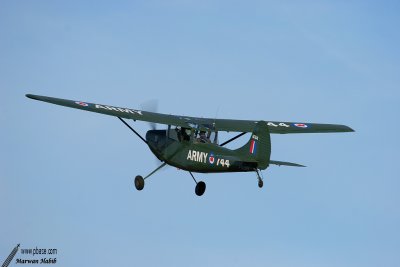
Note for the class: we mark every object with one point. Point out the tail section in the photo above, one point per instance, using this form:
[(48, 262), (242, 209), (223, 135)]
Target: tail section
[(259, 146)]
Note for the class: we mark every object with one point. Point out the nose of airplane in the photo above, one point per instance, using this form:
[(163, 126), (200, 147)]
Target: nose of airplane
[(156, 139)]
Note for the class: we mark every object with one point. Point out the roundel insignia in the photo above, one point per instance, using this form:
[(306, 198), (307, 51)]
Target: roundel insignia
[(83, 104), (211, 158), (301, 125)]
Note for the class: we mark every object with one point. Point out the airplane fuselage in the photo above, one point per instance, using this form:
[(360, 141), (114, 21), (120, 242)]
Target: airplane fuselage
[(196, 156)]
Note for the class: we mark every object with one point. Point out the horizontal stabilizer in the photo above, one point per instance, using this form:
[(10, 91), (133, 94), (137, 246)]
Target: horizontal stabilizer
[(284, 163)]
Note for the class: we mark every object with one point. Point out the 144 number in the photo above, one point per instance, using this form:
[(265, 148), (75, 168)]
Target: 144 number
[(223, 163)]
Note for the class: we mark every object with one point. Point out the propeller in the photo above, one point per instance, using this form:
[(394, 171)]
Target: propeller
[(150, 106)]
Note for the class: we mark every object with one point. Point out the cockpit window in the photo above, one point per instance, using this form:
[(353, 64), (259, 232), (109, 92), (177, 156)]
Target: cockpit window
[(180, 134), (186, 134), (202, 137)]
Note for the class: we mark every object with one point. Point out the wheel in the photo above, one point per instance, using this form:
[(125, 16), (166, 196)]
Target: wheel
[(139, 182), (260, 183), (200, 188)]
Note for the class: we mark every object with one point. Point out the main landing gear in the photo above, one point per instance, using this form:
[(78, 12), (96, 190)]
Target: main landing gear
[(139, 182), (260, 181), (200, 186)]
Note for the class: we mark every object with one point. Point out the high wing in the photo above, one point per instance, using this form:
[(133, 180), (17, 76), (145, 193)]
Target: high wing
[(228, 125)]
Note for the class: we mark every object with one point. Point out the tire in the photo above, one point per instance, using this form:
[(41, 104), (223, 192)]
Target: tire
[(139, 183), (200, 188)]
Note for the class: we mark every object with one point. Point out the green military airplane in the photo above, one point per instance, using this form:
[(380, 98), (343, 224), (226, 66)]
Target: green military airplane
[(191, 143)]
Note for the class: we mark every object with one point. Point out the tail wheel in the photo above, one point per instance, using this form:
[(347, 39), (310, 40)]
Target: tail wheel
[(139, 182), (260, 181)]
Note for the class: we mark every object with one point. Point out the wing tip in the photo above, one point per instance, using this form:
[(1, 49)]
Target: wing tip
[(347, 129), (32, 96)]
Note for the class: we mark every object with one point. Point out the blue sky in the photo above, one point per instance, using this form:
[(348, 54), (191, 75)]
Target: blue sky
[(66, 176)]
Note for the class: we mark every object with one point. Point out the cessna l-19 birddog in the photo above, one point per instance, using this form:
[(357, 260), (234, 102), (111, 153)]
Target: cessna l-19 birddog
[(191, 143)]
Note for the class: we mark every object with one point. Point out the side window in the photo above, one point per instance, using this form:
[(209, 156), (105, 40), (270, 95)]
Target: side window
[(202, 137), (213, 137), (184, 134), (173, 134)]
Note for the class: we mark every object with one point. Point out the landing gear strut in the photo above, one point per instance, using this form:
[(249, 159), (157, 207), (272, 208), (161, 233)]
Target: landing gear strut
[(139, 180), (260, 181), (200, 186)]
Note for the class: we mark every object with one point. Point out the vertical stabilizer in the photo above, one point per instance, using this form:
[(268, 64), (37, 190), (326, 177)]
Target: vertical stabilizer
[(259, 146)]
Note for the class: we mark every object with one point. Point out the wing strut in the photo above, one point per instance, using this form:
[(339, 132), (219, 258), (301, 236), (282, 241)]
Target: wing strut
[(232, 139), (133, 130)]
